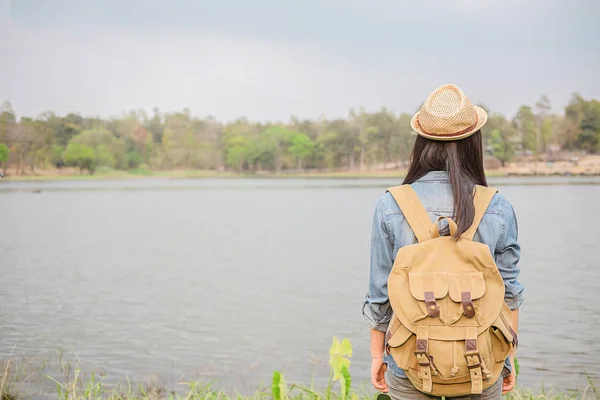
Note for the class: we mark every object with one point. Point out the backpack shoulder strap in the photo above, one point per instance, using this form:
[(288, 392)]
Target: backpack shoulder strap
[(482, 198), (413, 210)]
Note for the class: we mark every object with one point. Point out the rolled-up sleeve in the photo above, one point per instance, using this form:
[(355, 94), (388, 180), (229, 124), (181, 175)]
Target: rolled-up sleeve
[(507, 255), (376, 307)]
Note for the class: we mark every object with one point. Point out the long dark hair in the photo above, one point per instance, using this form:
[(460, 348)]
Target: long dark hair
[(463, 160)]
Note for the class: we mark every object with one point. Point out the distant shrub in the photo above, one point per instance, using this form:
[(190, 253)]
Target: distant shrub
[(104, 170), (134, 159), (80, 156), (140, 171)]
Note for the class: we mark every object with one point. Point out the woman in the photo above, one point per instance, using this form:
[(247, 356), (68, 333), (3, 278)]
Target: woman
[(446, 164)]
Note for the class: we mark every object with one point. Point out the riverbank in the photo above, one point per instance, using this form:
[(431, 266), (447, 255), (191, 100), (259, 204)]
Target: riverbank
[(574, 166), (201, 174), (582, 166)]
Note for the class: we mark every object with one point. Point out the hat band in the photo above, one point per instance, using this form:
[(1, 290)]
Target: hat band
[(449, 135)]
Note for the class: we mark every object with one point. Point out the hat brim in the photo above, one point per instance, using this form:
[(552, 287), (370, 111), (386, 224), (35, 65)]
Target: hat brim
[(482, 118)]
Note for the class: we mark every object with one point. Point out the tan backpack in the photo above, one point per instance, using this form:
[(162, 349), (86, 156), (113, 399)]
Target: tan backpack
[(451, 329)]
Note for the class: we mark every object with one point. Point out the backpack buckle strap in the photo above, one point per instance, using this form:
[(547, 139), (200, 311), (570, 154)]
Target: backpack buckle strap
[(421, 353), (474, 361), (467, 304), (476, 379), (423, 359), (432, 307), (515, 341)]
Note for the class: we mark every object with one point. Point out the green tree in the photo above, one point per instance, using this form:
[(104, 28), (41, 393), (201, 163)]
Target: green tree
[(80, 156), (544, 123), (385, 136), (57, 156), (525, 122), (340, 139), (7, 120), (181, 140), (502, 145), (588, 138), (275, 140), (359, 136), (301, 147), (134, 159), (105, 157), (155, 126), (238, 150), (26, 143), (109, 151), (330, 149), (402, 139), (4, 151), (66, 128), (237, 142), (571, 125)]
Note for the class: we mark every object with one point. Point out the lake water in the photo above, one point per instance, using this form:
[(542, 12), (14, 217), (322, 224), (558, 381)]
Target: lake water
[(229, 280)]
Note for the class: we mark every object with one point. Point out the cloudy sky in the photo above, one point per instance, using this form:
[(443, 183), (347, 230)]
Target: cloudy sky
[(269, 59)]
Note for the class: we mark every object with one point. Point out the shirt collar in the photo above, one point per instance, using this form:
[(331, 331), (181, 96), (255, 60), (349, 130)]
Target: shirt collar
[(436, 176)]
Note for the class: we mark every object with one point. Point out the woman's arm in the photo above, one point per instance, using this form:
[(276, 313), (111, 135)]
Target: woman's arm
[(378, 368), (377, 343), (507, 255), (376, 308)]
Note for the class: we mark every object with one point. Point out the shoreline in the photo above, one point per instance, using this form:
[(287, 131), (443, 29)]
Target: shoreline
[(202, 174)]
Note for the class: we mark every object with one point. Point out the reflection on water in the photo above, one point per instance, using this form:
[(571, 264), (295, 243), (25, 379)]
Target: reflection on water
[(190, 278)]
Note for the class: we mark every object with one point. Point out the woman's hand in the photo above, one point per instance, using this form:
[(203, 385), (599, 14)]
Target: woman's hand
[(378, 368), (509, 382)]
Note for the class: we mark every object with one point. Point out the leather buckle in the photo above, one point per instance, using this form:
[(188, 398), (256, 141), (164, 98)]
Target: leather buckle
[(475, 365), (515, 341), (422, 359)]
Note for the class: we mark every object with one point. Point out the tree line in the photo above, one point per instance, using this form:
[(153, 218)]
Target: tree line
[(179, 140)]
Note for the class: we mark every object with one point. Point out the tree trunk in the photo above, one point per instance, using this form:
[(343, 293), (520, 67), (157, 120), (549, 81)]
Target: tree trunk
[(277, 162), (362, 157), (20, 169)]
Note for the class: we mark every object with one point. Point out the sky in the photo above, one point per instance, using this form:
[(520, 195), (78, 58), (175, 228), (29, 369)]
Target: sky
[(270, 59)]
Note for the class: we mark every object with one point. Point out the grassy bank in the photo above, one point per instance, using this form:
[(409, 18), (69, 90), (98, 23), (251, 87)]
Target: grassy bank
[(20, 379), (92, 387)]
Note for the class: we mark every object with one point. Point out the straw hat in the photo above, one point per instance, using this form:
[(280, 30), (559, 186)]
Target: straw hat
[(448, 114)]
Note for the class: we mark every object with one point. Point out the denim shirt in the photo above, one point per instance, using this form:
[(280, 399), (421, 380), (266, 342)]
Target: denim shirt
[(498, 230)]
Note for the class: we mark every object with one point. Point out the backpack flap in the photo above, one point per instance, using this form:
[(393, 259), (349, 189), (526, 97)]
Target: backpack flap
[(427, 288), (465, 289)]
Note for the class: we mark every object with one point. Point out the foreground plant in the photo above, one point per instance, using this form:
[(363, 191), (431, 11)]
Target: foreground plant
[(340, 353)]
